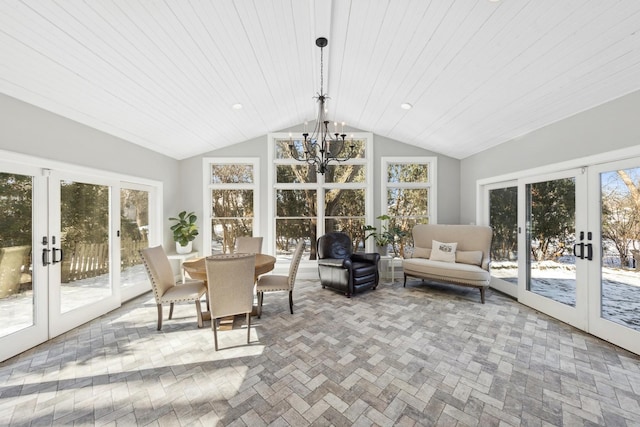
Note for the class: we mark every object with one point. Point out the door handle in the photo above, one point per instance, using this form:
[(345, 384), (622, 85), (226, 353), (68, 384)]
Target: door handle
[(45, 257), (589, 251), (54, 260), (581, 256)]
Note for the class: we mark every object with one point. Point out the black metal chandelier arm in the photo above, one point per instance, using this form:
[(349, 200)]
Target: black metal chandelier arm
[(307, 157), (350, 155)]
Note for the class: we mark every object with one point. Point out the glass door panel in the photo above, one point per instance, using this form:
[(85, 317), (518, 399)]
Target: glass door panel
[(84, 243), (550, 236), (620, 256), (16, 280), (503, 219), (134, 235), (23, 296), (551, 279)]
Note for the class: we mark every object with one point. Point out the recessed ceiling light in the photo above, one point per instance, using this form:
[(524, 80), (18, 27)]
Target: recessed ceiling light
[(406, 106), (237, 106)]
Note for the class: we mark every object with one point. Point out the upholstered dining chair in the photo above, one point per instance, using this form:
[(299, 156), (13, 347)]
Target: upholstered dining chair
[(163, 283), (248, 245), (277, 282), (230, 279)]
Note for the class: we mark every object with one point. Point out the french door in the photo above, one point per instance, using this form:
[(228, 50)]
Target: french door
[(79, 249), (23, 276), (552, 231), (580, 231), (614, 274), (68, 249)]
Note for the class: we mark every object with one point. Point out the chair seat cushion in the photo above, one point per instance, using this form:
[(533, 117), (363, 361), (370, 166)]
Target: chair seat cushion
[(449, 271), (272, 282), (332, 262), (185, 292), (364, 269)]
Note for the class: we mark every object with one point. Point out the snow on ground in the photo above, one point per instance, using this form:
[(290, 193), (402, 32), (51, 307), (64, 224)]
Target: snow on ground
[(555, 280)]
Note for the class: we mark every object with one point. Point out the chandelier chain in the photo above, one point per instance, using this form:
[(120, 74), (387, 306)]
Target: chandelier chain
[(321, 72)]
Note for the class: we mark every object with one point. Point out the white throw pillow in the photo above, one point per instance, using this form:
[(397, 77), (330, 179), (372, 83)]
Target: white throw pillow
[(443, 251)]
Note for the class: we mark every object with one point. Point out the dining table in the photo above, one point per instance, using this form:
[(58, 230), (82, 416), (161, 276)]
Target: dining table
[(196, 269)]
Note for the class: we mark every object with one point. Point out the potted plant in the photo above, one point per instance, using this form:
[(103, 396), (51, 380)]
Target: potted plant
[(381, 239), (184, 231), (390, 235)]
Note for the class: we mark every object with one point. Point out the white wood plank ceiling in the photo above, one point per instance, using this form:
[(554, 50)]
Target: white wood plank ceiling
[(164, 74)]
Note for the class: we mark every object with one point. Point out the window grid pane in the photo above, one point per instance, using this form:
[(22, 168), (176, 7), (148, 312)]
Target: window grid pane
[(231, 174), (296, 174), (407, 172), (226, 230)]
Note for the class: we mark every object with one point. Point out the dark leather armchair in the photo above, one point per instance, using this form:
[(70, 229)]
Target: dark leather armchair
[(343, 270)]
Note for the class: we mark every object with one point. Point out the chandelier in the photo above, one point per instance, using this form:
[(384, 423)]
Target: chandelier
[(321, 147)]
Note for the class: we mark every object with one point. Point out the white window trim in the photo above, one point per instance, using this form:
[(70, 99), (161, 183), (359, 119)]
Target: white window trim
[(320, 184), (431, 184), (207, 187), (308, 269)]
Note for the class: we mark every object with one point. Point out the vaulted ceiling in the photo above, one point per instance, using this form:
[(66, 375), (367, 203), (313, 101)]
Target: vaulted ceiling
[(165, 74)]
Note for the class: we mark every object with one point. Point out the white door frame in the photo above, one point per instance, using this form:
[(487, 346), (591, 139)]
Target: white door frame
[(40, 169)]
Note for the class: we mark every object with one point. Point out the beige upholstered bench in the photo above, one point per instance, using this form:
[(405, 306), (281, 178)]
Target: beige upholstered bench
[(461, 255)]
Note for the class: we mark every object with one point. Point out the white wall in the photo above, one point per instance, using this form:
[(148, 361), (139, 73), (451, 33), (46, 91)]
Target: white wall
[(30, 130), (611, 126)]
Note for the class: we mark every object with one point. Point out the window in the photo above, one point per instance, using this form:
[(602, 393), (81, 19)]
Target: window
[(408, 193), (232, 201), (306, 204)]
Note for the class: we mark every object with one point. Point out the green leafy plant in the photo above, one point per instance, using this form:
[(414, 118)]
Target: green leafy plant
[(185, 229), (389, 235)]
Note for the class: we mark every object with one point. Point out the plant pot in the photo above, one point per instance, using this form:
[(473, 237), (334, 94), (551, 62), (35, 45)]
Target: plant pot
[(383, 250), (184, 249)]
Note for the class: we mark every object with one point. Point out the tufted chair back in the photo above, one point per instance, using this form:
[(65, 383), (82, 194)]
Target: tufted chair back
[(334, 245)]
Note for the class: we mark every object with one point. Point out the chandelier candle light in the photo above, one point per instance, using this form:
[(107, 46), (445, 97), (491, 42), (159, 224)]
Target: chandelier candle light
[(320, 148)]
